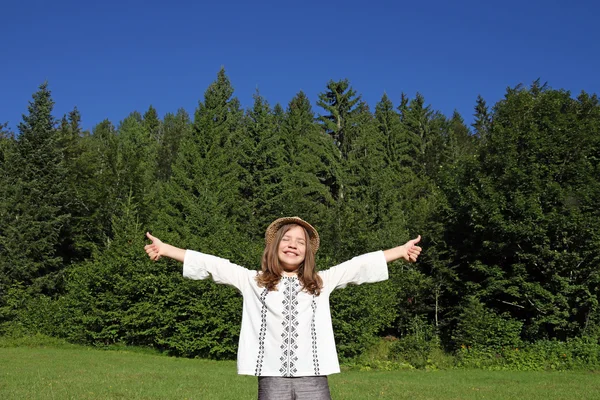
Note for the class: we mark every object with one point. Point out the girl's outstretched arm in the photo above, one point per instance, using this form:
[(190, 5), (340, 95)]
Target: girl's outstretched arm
[(197, 265), (409, 251), (157, 249), (370, 267)]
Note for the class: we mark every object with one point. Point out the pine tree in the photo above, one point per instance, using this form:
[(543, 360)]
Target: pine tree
[(203, 206), (483, 120), (461, 142), (7, 141), (176, 128), (152, 128), (100, 161), (399, 144), (311, 181), (152, 125), (76, 246), (7, 145), (433, 142), (37, 212), (218, 116), (428, 129), (263, 158), (340, 102)]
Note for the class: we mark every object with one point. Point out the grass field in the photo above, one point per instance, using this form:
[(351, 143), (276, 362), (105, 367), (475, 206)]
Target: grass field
[(73, 372)]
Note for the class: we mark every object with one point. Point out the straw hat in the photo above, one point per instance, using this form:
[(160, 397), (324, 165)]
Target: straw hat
[(278, 223)]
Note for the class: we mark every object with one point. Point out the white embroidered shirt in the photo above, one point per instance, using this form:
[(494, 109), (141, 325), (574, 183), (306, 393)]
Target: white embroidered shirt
[(287, 332)]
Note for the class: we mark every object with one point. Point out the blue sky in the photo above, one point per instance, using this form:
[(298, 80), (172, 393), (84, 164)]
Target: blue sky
[(110, 58)]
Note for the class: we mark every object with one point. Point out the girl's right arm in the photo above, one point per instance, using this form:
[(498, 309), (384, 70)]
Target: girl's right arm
[(198, 265), (158, 249)]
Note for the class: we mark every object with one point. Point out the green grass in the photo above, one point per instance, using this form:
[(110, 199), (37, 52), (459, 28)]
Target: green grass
[(62, 371)]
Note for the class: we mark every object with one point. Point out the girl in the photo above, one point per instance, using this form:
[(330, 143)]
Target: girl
[(286, 337)]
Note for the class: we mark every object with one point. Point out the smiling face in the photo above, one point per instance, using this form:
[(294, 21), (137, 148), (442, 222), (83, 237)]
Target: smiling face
[(292, 249)]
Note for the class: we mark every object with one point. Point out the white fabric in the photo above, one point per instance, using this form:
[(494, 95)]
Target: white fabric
[(287, 332)]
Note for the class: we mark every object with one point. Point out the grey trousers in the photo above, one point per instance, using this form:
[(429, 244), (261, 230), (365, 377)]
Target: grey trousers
[(299, 388)]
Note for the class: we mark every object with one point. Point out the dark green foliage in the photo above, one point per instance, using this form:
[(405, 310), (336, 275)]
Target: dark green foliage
[(526, 228), (359, 313), (508, 213), (152, 125), (482, 327), (100, 160), (341, 103), (35, 203), (483, 120), (121, 297), (79, 238), (428, 132), (202, 205), (7, 144), (397, 144), (263, 159), (461, 142), (176, 127), (306, 180), (136, 158)]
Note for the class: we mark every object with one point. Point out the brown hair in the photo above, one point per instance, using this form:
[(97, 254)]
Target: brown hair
[(272, 270)]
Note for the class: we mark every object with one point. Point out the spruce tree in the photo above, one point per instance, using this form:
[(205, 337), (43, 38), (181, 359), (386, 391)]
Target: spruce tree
[(340, 102), (483, 120), (152, 125), (7, 145), (176, 128), (428, 129), (137, 159), (311, 181), (100, 161), (76, 246), (460, 141), (203, 206), (263, 158), (399, 144), (37, 213)]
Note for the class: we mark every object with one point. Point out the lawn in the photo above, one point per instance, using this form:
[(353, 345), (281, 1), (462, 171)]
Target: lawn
[(73, 372)]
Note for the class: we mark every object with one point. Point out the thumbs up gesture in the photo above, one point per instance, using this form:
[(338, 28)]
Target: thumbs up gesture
[(156, 249), (411, 250)]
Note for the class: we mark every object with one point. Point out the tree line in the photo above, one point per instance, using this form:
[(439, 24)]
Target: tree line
[(507, 208)]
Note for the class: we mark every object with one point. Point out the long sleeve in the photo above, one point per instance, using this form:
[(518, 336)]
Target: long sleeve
[(198, 265), (367, 268)]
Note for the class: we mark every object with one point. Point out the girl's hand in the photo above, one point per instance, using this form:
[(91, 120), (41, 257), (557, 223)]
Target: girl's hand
[(156, 249), (410, 250)]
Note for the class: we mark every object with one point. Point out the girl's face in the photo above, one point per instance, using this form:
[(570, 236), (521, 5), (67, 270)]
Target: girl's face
[(292, 249)]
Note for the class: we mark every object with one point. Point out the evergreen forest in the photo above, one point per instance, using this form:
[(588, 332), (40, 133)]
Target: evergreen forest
[(507, 208)]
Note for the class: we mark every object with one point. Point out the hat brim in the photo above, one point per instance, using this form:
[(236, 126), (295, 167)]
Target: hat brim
[(271, 231)]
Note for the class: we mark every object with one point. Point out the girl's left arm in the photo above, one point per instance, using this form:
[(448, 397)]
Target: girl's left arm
[(370, 267)]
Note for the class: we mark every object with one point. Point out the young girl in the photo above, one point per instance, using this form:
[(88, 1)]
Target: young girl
[(286, 337)]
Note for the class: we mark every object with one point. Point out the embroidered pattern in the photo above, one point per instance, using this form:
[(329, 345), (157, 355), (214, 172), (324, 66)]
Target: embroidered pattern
[(313, 334), (262, 332), (289, 336)]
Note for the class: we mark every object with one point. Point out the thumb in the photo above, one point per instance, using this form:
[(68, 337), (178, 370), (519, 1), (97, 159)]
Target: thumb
[(417, 240), (149, 236)]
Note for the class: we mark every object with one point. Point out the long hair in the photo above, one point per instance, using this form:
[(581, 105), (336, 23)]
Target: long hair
[(272, 269)]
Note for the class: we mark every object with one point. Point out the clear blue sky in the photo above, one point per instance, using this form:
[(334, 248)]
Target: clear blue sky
[(110, 58)]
